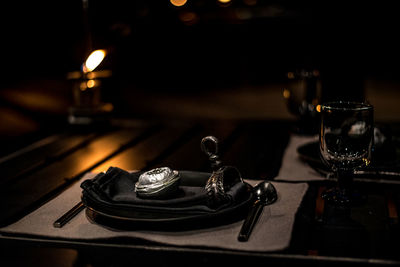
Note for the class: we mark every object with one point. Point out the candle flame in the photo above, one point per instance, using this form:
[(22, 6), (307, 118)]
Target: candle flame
[(94, 60)]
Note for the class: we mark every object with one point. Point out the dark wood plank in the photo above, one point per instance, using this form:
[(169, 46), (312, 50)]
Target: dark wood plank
[(189, 156), (147, 153), (42, 153), (25, 194), (257, 149)]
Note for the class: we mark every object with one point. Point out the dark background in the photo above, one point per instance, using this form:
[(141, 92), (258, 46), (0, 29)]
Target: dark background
[(203, 44)]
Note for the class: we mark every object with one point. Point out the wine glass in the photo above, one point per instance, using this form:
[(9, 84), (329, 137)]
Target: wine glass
[(346, 139), (303, 93)]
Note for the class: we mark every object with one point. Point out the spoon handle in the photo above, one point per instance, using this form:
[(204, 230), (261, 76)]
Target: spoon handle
[(250, 221)]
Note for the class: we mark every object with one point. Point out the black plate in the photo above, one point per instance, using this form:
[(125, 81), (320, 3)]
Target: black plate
[(384, 163), (385, 156), (173, 222), (310, 153), (150, 219)]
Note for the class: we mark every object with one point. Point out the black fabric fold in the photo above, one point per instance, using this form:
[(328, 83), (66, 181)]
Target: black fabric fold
[(113, 193)]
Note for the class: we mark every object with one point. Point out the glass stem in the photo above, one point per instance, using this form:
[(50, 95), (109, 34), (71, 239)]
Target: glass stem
[(345, 179)]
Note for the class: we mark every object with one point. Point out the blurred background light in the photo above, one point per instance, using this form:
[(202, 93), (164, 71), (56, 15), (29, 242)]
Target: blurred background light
[(91, 83), (188, 18), (286, 93), (178, 2), (250, 2)]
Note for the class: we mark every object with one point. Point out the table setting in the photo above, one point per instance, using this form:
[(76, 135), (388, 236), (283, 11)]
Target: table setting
[(331, 132), (352, 168), (301, 162), (302, 159), (219, 210)]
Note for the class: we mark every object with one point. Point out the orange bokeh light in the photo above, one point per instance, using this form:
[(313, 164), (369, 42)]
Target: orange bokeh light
[(178, 2)]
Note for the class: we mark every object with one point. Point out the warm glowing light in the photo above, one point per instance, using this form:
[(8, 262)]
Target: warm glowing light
[(108, 107), (99, 74), (94, 60), (189, 18), (224, 1), (178, 2), (91, 75), (90, 84), (290, 75), (83, 86), (250, 2), (318, 108), (286, 93), (243, 13)]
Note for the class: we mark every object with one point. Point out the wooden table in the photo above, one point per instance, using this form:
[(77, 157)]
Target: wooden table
[(34, 175)]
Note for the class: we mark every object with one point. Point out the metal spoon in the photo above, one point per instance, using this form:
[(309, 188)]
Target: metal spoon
[(265, 194)]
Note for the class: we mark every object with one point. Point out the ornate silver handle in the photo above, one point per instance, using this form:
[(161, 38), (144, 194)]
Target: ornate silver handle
[(222, 177), (210, 146)]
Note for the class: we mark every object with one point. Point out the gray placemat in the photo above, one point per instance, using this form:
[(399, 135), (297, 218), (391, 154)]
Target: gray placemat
[(293, 168), (272, 232)]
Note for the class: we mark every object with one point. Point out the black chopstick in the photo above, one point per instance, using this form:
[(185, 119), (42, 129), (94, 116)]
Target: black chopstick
[(60, 222)]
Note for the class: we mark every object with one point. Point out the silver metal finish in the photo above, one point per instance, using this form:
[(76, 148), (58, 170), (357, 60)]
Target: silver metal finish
[(222, 178), (210, 146), (157, 183)]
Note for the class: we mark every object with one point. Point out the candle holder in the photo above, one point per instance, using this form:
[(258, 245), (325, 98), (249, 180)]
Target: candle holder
[(88, 106)]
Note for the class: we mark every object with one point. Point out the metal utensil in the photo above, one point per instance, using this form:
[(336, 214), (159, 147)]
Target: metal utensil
[(222, 177), (265, 194), (69, 215), (215, 184)]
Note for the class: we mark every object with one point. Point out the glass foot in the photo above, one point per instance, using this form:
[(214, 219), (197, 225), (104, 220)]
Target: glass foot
[(337, 195), (343, 196)]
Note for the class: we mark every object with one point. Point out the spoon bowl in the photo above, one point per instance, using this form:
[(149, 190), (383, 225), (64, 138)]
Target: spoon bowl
[(266, 193)]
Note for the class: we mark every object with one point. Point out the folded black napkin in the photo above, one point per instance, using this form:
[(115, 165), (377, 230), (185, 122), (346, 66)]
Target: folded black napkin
[(112, 193)]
